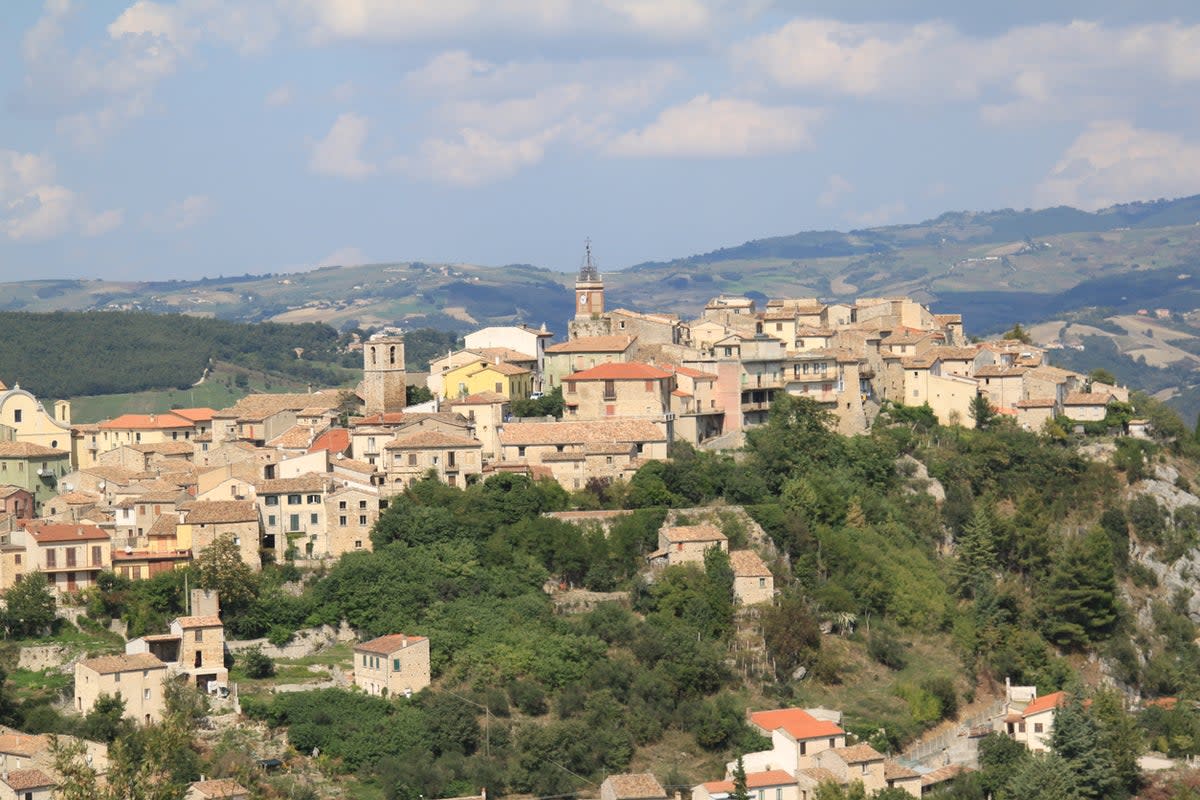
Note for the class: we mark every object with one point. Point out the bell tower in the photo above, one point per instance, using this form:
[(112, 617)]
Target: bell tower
[(383, 372), (589, 288)]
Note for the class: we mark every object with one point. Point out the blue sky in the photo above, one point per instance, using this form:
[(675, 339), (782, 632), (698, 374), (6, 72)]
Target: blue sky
[(205, 137)]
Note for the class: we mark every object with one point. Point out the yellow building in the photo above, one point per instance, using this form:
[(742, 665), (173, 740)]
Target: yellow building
[(30, 421), (515, 383)]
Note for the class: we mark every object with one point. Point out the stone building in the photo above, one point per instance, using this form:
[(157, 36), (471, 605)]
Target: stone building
[(393, 664), (384, 383)]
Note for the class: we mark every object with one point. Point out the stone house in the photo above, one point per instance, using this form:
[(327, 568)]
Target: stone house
[(687, 544), (485, 413), (393, 664), (70, 556), (351, 511), (453, 459), (627, 391), (219, 789), (202, 522), (16, 501), (699, 415), (1034, 413), (292, 509), (137, 678), (1086, 406), (577, 451), (752, 581), (26, 784), (580, 354)]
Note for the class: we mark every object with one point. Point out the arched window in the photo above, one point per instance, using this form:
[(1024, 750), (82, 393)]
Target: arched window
[(392, 354), (372, 356)]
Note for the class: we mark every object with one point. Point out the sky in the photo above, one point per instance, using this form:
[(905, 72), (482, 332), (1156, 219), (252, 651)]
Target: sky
[(159, 140)]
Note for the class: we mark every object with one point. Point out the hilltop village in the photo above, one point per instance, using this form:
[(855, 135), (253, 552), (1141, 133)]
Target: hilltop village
[(302, 479)]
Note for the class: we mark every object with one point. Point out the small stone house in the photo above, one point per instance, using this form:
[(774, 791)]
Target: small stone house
[(392, 664), (137, 678), (752, 580), (634, 786), (686, 544), (26, 784), (222, 789)]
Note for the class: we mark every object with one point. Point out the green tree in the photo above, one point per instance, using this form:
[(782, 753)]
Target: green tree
[(1018, 333), (981, 411), (257, 664), (740, 792), (221, 567), (1044, 776), (1101, 375), (29, 607), (791, 633), (1120, 738), (106, 721), (1080, 602), (975, 553), (1076, 739)]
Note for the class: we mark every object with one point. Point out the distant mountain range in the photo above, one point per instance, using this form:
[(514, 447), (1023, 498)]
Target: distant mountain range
[(995, 267)]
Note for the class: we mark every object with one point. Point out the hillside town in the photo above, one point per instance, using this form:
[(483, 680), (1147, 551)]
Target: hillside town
[(302, 479)]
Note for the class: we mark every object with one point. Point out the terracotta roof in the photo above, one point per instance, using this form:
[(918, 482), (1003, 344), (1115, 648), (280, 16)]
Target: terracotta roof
[(479, 399), (904, 335), (895, 771), (9, 490), (617, 430), (949, 353), (688, 372), (76, 498), (164, 525), (355, 465), (947, 319), (405, 418), (747, 564), (221, 788), (694, 533), (20, 780), (195, 414), (125, 662), (858, 753), (1044, 703), (386, 645), (315, 411), (942, 774), (819, 775), (44, 533), (334, 440), (29, 450), (1036, 402), (150, 422), (308, 482), (923, 361), (1087, 399), (297, 437), (23, 744), (806, 330), (166, 448), (504, 368), (503, 353), (206, 621), (213, 511), (999, 371), (754, 780), (796, 722), (593, 344), (630, 371), (635, 786), (424, 439), (110, 474)]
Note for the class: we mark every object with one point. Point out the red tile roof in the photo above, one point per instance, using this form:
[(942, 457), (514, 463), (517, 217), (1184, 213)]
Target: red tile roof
[(167, 419), (754, 780), (630, 371), (593, 344), (125, 662), (335, 440), (688, 372), (29, 450), (20, 780), (386, 645), (796, 722), (426, 439), (45, 533), (195, 414), (1044, 703)]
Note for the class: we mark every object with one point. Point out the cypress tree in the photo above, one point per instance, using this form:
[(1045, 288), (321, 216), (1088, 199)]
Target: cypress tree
[(1076, 740), (975, 555)]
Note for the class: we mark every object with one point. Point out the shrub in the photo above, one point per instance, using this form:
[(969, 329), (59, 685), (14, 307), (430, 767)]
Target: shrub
[(257, 664), (885, 648)]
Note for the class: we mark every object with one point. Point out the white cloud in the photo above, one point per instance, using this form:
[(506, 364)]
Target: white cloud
[(475, 157), (722, 127), (339, 154), (182, 214), (248, 27), (280, 97), (1029, 73), (343, 257), (34, 206), (1114, 162), (837, 188), (880, 215)]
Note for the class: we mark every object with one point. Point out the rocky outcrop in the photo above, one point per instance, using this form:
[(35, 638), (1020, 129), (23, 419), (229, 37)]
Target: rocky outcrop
[(915, 476)]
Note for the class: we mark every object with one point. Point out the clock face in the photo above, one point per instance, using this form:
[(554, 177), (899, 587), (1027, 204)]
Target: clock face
[(583, 299)]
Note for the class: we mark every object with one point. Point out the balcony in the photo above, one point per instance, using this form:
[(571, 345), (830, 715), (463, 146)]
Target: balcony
[(762, 381), (764, 405)]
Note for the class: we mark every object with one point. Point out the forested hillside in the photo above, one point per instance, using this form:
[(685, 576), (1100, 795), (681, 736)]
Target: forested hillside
[(1042, 565)]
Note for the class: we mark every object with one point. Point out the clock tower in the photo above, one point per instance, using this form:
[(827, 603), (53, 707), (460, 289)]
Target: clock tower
[(589, 288)]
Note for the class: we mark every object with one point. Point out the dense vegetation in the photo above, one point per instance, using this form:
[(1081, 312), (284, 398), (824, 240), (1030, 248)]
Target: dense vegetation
[(1024, 568)]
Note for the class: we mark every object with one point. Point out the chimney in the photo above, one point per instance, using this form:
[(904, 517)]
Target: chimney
[(403, 640)]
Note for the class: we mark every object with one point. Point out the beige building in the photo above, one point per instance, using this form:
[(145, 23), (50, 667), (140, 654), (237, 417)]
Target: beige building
[(352, 511), (137, 679), (396, 664), (1086, 406), (202, 522), (70, 556), (195, 647), (584, 353), (453, 459), (776, 784), (687, 544), (752, 581), (384, 384), (1029, 718), (578, 451), (485, 414), (26, 784), (292, 511), (29, 421)]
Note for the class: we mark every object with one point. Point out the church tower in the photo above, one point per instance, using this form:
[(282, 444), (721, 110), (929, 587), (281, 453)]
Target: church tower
[(383, 372), (589, 288)]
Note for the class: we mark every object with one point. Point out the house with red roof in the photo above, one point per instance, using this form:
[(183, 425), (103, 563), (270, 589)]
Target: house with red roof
[(1032, 722), (797, 735), (70, 556), (630, 390), (393, 664)]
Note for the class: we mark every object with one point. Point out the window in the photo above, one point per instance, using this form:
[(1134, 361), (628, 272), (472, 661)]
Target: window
[(608, 460), (313, 517), (272, 500), (362, 519), (762, 583), (1020, 727), (570, 387), (16, 415), (293, 499), (804, 747), (97, 560), (358, 544), (395, 665), (362, 504), (412, 459), (341, 505), (499, 387), (199, 634), (610, 390), (71, 556), (271, 519), (51, 558), (610, 410), (117, 677), (145, 694), (342, 520), (138, 436), (649, 386), (314, 498), (1038, 727), (17, 560), (521, 451)]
